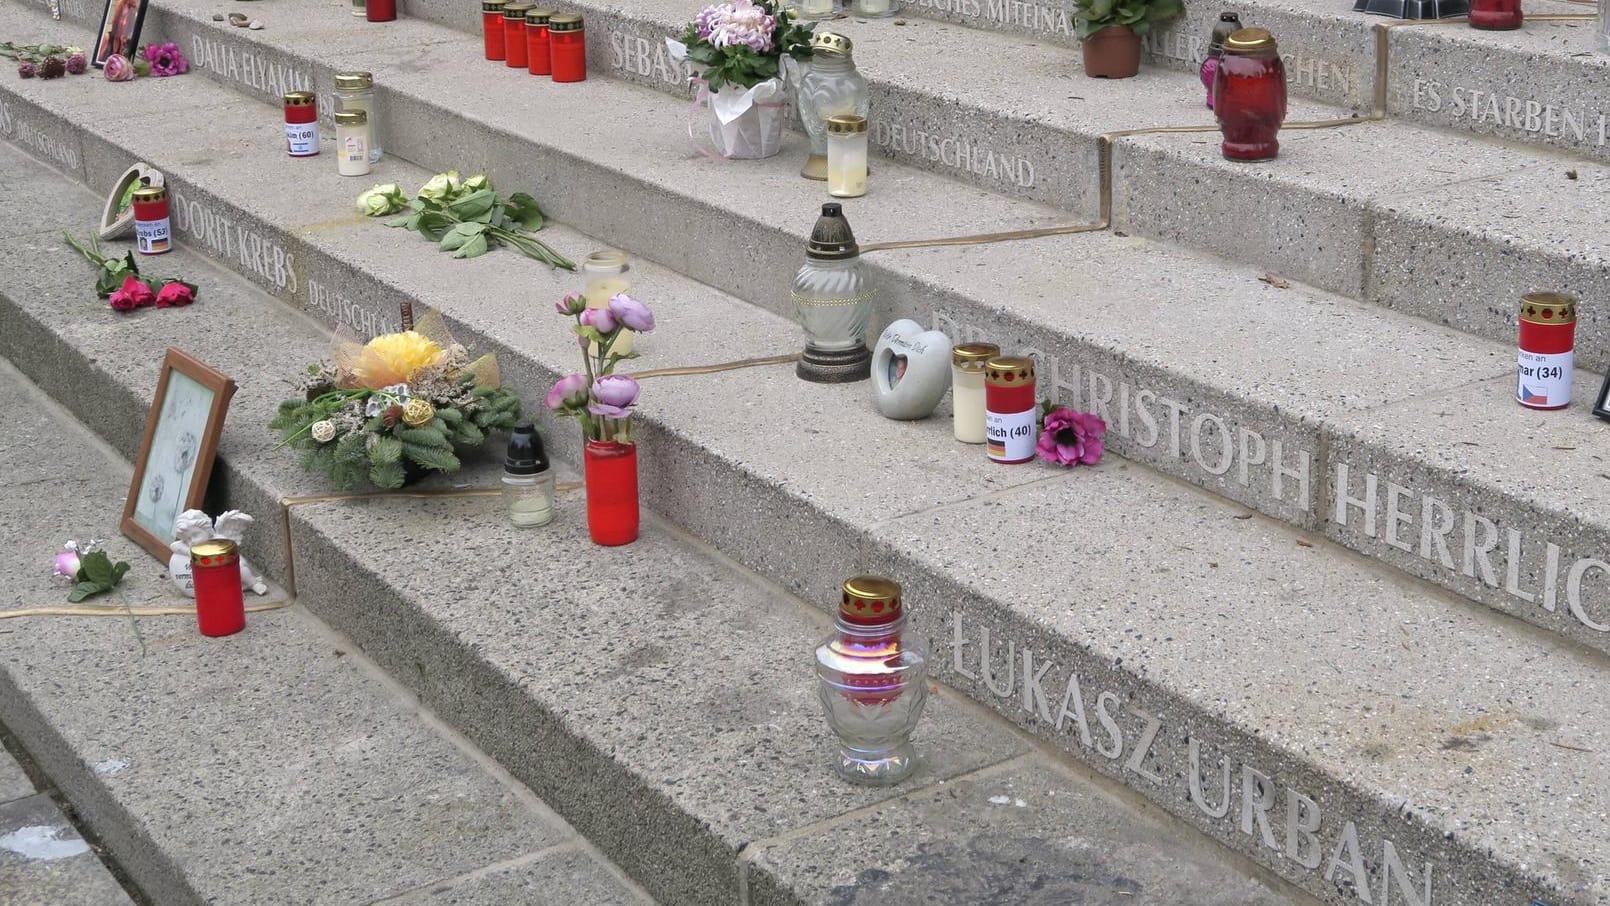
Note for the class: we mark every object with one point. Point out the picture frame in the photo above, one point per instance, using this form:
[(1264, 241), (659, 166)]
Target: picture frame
[(120, 30), (1601, 405), (177, 450)]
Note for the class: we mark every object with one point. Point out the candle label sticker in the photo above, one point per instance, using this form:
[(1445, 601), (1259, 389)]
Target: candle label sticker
[(1543, 379), (152, 236), (356, 150), (302, 139), (1010, 434)]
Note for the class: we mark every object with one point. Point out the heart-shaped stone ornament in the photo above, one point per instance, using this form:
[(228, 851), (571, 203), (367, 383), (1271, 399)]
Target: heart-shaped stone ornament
[(116, 224), (910, 370)]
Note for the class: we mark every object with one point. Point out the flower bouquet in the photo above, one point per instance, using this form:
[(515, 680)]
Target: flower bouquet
[(46, 61), (118, 281), (602, 401), (465, 217), (737, 49), (393, 409)]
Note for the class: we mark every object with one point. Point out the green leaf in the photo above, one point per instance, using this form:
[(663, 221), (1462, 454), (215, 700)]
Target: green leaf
[(96, 567), (410, 221), (474, 205), (119, 570), (474, 248), (433, 224), (523, 210), (461, 234), (86, 590)]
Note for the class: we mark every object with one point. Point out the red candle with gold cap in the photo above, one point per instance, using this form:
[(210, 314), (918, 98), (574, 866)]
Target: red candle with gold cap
[(1249, 95), (220, 605), (1011, 421), (872, 682), (1547, 357)]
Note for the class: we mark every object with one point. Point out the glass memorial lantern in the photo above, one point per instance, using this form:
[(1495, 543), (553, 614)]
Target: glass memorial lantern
[(833, 302), (872, 683), (830, 87)]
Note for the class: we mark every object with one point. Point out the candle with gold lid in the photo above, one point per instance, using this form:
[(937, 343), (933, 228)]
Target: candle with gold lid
[(967, 389), (606, 278), (514, 43), (1011, 419), (871, 679), (846, 155), (492, 28), (1249, 95)]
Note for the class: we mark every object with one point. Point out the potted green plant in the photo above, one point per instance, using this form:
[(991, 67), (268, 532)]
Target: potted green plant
[(1110, 32)]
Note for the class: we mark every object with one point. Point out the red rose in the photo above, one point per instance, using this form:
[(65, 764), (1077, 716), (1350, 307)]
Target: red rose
[(133, 294), (175, 295)]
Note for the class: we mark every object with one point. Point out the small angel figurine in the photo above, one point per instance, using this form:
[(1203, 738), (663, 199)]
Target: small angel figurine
[(193, 527), (190, 528), (232, 524)]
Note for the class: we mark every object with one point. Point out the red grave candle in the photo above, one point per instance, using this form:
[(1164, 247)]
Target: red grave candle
[(567, 44), (380, 10), (1543, 369), (220, 606), (153, 233), (1249, 95), (1496, 15), (301, 124), (514, 45), (538, 59), (492, 27), (611, 478), (1011, 419)]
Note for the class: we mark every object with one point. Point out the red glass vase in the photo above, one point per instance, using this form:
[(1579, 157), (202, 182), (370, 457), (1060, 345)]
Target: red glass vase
[(1495, 15), (1249, 95), (611, 477)]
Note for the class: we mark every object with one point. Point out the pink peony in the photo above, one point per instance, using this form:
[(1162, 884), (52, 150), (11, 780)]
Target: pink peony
[(599, 319), (166, 60), (117, 68), (569, 393), (133, 294), (1070, 438), (571, 304), (632, 313), (175, 295), (613, 395)]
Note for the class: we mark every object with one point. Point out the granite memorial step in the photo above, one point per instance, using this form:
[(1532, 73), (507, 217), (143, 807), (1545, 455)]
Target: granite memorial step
[(274, 766), (1290, 700), (43, 857), (1281, 410), (1389, 212), (656, 698)]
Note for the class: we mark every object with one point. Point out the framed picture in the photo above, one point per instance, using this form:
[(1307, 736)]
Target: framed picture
[(1601, 406), (175, 461), (120, 30)]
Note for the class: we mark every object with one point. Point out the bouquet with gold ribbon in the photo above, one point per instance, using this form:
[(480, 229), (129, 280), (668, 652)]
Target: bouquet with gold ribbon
[(395, 408)]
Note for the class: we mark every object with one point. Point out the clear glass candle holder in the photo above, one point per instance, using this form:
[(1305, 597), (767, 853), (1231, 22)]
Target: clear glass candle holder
[(872, 681), (846, 156)]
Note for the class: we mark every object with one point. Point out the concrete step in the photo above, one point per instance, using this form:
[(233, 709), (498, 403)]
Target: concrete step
[(43, 858), (1280, 409), (1391, 212), (684, 741), (1309, 692), (275, 766)]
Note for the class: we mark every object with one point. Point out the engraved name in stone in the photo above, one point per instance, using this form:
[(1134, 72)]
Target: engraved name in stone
[(648, 59), (363, 321), (227, 239), (1240, 797), (955, 152), (43, 144), (1301, 70), (1019, 14), (270, 76), (1582, 125), (1531, 569)]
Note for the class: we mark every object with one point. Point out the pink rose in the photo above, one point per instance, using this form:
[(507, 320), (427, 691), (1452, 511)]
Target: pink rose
[(175, 295), (117, 68), (131, 295)]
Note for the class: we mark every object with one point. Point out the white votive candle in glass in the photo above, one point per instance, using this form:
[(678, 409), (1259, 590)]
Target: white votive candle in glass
[(967, 389), (846, 155)]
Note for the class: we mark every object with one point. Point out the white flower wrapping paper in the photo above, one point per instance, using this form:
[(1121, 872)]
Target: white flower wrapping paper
[(744, 123)]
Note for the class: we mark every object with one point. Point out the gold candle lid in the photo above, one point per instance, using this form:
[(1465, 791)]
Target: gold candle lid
[(535, 16), (150, 193), (870, 599), (846, 124), (1249, 40), (492, 6), (565, 22), (354, 81), (972, 356), (516, 10), (1009, 370), (299, 99), (1546, 308), (352, 118), (214, 552), (830, 42)]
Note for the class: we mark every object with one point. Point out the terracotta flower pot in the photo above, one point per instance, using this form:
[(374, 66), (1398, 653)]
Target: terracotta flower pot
[(1112, 53)]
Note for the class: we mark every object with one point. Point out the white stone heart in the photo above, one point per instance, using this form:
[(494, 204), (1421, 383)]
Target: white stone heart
[(115, 224), (910, 370)]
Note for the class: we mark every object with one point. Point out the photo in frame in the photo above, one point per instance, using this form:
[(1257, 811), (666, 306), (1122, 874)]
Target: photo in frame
[(120, 30), (176, 454), (1601, 405)]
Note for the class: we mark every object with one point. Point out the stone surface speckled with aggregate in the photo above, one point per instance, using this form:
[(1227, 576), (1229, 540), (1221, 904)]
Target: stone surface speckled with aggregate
[(44, 861)]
